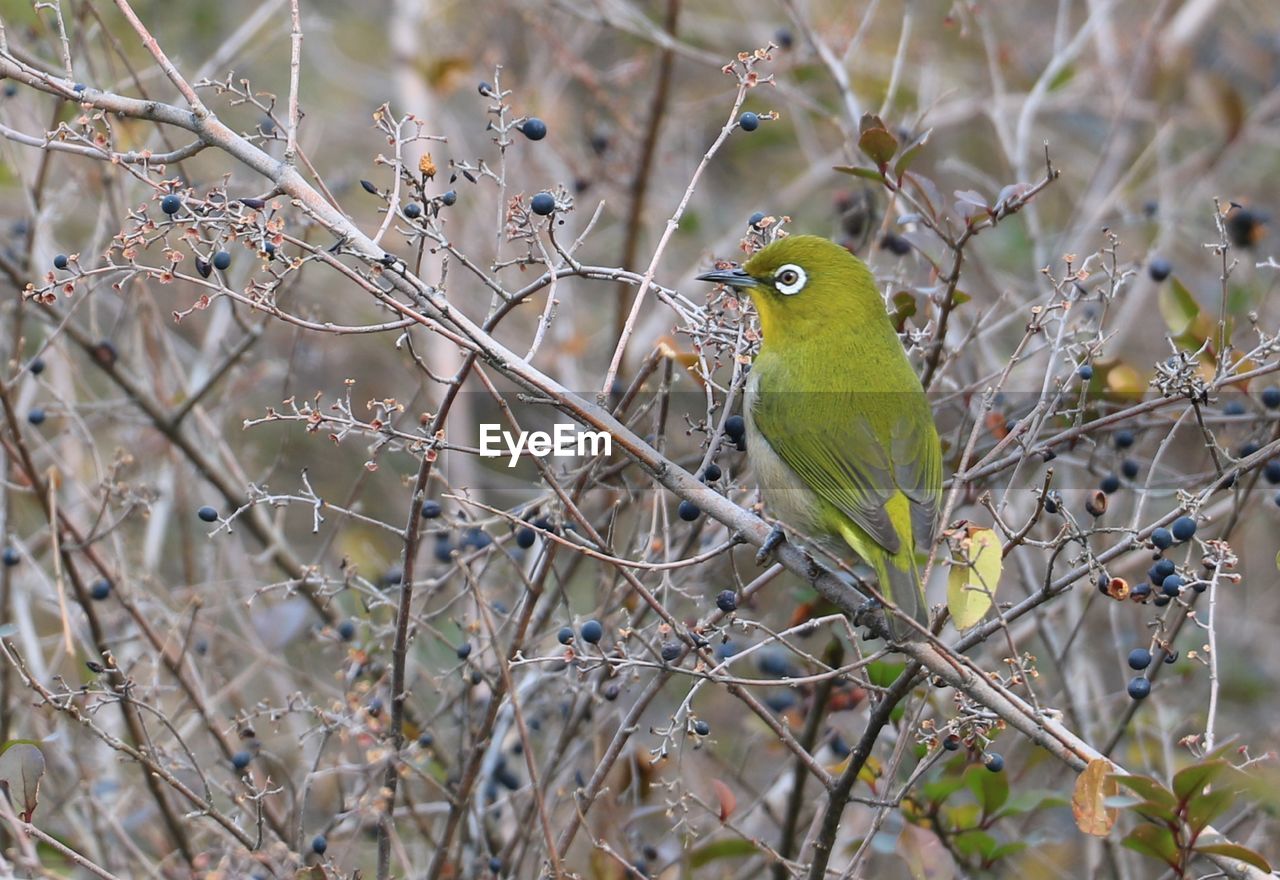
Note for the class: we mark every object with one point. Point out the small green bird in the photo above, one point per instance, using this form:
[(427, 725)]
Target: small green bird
[(839, 432)]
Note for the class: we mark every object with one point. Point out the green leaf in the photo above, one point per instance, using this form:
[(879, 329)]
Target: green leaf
[(1032, 800), (883, 673), (910, 152), (1204, 808), (1190, 781), (975, 843), (1155, 841), (730, 848), (1148, 788), (1235, 851), (939, 790), (859, 171), (974, 576), (991, 789), (1178, 307), (1007, 849), (878, 145)]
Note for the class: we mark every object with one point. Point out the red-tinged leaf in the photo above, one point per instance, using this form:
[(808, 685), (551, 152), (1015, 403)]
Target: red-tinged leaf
[(21, 768), (728, 801), (1235, 851), (926, 857), (1088, 800), (868, 122), (1155, 841), (972, 197), (858, 171), (910, 152), (878, 145)]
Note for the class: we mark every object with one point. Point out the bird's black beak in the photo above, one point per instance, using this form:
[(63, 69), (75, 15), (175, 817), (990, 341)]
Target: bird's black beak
[(732, 277)]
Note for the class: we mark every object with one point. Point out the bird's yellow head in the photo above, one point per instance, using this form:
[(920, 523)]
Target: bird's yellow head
[(805, 285)]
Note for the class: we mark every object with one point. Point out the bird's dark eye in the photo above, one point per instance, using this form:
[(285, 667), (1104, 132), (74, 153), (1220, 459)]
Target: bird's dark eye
[(788, 277)]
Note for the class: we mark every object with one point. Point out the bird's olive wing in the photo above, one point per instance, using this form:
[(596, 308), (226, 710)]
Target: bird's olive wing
[(844, 462), (917, 461)]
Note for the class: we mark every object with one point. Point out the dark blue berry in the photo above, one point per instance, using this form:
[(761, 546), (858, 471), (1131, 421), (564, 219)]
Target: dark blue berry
[(1161, 600), (11, 557), (534, 128), (1050, 504), (1183, 528), (475, 539), (100, 589), (749, 121), (1110, 484), (448, 198), (413, 210), (1272, 471), (712, 473), (171, 204), (727, 600), (1139, 658), (37, 366), (269, 249), (221, 261), (688, 511), (79, 87), (1129, 468), (525, 537), (464, 651), (431, 509), (1140, 591), (701, 728), (1085, 372), (347, 630), (495, 864), (36, 416), (565, 636), (951, 742), (319, 844), (592, 632), (443, 549), (994, 762), (900, 247), (542, 204), (1234, 408), (1172, 585), (208, 514), (1159, 269), (1139, 688), (783, 38), (425, 740), (754, 220), (670, 651), (240, 760), (60, 261), (1162, 538), (1123, 439), (1271, 397), (735, 427), (1248, 448), (485, 89)]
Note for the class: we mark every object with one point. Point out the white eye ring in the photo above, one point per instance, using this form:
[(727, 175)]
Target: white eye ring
[(790, 279)]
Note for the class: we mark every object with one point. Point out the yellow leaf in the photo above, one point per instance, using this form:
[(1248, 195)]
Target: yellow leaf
[(1088, 802), (974, 575)]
